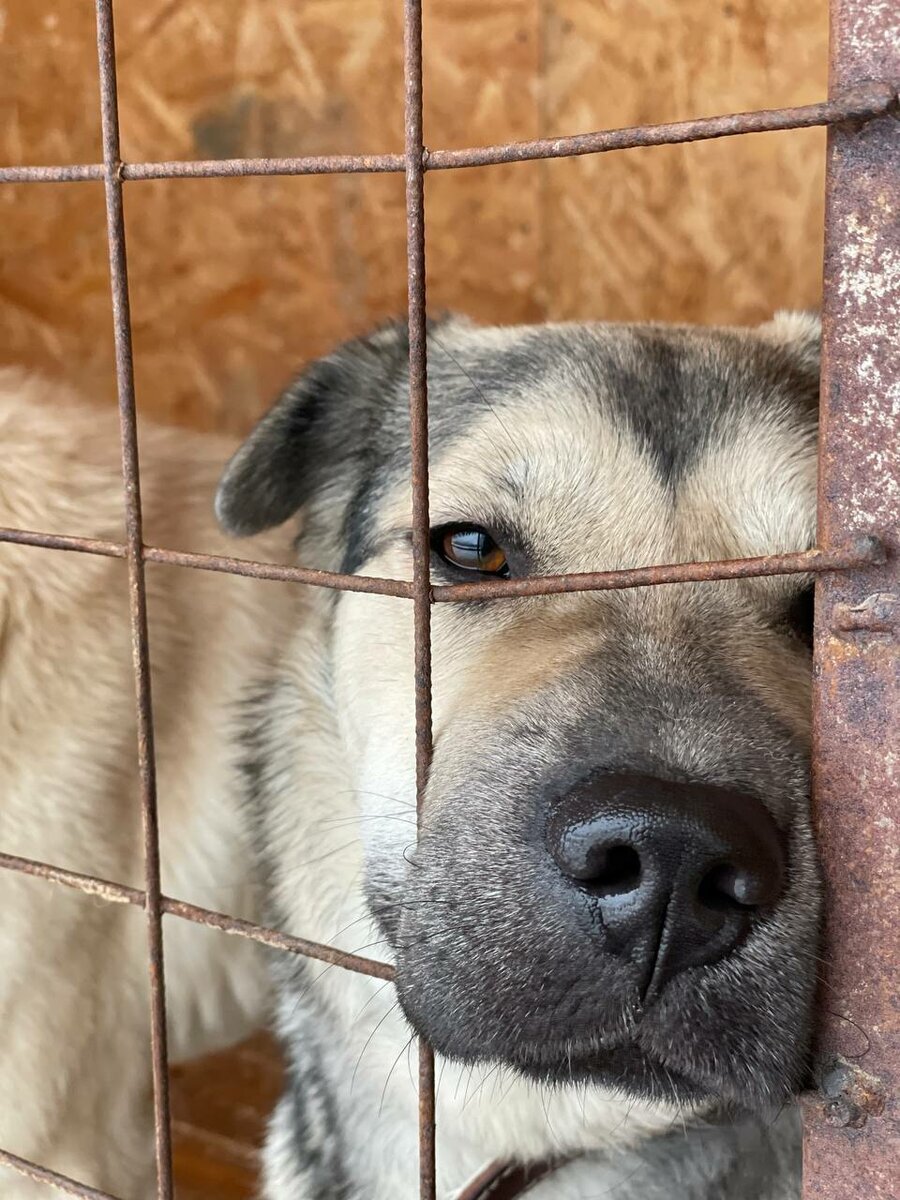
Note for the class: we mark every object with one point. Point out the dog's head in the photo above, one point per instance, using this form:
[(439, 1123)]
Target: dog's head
[(615, 879)]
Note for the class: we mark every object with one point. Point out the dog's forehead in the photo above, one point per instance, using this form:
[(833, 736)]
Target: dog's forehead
[(620, 444)]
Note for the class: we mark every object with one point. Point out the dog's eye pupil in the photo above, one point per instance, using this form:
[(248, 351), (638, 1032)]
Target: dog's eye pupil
[(473, 549)]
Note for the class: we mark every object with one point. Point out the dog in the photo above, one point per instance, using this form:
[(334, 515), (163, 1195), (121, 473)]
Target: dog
[(75, 1086), (608, 925)]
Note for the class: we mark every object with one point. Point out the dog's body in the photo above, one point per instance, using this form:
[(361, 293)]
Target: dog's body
[(580, 448), (74, 1065)]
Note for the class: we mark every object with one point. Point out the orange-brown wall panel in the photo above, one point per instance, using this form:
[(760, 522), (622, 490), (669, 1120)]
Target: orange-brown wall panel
[(237, 281)]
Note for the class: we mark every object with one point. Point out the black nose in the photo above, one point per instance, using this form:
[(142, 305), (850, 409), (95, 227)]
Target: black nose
[(678, 871)]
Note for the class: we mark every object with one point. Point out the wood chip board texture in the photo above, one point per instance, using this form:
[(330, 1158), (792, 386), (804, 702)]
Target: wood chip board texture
[(237, 281)]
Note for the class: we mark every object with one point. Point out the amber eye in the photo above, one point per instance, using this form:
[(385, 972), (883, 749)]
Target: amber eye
[(471, 548)]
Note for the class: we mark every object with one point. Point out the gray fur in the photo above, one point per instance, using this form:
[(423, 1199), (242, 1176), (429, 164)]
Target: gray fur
[(306, 1139)]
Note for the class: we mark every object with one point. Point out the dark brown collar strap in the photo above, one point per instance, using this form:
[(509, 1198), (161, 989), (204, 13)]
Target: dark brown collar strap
[(506, 1180)]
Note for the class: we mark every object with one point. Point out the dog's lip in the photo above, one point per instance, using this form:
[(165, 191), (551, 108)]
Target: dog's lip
[(619, 1062), (611, 1060), (628, 1068), (622, 1065)]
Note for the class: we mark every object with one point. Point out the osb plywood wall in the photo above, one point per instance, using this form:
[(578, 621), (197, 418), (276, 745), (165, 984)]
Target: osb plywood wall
[(236, 281)]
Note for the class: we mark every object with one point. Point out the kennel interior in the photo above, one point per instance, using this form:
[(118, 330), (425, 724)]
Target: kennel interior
[(202, 156)]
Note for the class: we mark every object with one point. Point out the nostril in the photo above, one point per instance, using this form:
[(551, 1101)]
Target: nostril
[(671, 874), (616, 871), (727, 887)]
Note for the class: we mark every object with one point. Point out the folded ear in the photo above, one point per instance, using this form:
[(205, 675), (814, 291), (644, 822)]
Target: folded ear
[(315, 435)]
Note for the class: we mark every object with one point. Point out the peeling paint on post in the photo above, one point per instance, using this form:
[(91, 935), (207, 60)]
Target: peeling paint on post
[(851, 1147)]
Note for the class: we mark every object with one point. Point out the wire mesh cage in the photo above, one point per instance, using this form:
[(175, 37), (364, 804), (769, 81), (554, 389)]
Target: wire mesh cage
[(858, 609)]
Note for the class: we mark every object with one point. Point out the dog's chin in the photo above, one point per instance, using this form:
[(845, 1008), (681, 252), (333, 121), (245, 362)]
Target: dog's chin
[(614, 1062), (617, 1069), (622, 1069), (687, 1048)]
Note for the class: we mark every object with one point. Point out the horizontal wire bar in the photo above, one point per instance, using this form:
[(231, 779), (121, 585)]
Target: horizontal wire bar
[(62, 541), (862, 102), (74, 173), (862, 551), (120, 893), (867, 100), (212, 562), (287, 574), (310, 164), (62, 1183)]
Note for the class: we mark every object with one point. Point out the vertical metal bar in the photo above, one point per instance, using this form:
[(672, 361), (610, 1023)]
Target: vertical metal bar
[(851, 1147), (115, 225), (418, 413)]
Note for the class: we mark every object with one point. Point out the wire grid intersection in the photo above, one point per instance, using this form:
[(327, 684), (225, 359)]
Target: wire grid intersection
[(859, 103)]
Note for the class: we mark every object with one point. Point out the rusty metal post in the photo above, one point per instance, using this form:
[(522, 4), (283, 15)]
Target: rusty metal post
[(852, 1149)]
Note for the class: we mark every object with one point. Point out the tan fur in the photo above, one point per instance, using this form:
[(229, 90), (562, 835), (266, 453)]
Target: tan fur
[(602, 507), (74, 1065)]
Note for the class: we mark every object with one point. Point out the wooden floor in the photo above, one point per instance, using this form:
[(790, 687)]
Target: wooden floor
[(220, 1106)]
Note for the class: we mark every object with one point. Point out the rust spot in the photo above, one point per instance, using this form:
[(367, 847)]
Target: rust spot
[(850, 1095), (878, 613)]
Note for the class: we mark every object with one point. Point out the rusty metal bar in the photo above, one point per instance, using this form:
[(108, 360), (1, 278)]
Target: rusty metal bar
[(76, 173), (858, 551), (212, 562), (418, 392), (852, 1150), (62, 541), (118, 274), (421, 534), (859, 102), (214, 168), (120, 893), (62, 1183), (286, 574)]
